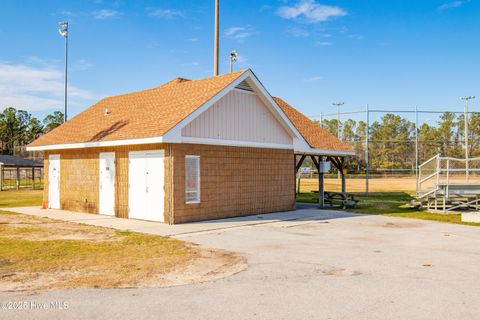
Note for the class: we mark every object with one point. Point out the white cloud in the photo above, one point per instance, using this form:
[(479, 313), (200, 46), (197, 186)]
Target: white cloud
[(193, 40), (106, 14), (298, 32), (451, 5), (36, 88), (311, 11), (239, 34), (322, 43), (165, 13), (313, 79)]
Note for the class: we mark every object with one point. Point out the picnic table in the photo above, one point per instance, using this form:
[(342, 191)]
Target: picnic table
[(344, 199)]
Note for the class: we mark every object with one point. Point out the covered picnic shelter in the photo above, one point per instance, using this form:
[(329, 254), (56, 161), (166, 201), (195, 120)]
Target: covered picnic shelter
[(15, 169)]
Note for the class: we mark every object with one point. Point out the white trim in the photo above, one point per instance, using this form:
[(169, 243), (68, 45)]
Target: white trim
[(112, 143), (148, 151), (268, 99), (100, 207), (325, 152), (174, 135), (235, 143), (198, 180)]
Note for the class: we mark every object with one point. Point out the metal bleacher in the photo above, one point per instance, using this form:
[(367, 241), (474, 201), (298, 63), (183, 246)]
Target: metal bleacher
[(447, 184)]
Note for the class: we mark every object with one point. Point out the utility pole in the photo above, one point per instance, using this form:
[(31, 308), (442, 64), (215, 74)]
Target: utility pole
[(467, 98), (338, 105), (63, 30), (339, 136), (416, 151), (216, 45), (233, 58), (367, 138)]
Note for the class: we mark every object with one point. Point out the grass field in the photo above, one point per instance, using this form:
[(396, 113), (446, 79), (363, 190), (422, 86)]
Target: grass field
[(397, 184), (21, 198), (390, 204)]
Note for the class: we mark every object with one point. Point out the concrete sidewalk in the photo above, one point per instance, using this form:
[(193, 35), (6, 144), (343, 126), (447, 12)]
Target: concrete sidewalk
[(180, 230)]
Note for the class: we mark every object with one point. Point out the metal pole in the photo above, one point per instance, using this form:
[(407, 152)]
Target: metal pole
[(63, 30), (216, 35), (339, 136), (321, 119), (66, 76), (367, 133), (466, 136), (416, 148)]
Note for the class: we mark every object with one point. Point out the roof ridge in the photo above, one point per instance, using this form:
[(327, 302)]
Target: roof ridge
[(175, 81)]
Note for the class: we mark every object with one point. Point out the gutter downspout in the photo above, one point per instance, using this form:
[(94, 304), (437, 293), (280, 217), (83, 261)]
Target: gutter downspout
[(170, 184)]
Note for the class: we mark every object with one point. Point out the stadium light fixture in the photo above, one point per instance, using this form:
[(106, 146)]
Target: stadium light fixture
[(63, 30), (233, 58)]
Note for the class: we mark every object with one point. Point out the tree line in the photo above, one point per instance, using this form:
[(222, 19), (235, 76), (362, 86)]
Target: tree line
[(392, 140), (19, 127)]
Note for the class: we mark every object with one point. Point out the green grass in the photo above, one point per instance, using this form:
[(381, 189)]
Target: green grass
[(391, 204), (22, 198)]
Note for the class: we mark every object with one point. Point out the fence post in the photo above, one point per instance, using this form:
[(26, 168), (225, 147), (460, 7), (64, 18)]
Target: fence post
[(367, 133), (416, 148), (448, 178), (33, 178), (18, 178)]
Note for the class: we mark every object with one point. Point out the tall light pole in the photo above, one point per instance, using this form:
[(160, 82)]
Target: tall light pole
[(233, 58), (467, 98), (338, 105), (63, 30), (216, 36)]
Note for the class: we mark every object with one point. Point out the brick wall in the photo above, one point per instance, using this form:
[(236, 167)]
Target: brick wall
[(79, 177), (234, 182)]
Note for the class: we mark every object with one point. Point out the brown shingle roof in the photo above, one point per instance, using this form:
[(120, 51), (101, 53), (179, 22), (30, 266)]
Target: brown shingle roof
[(316, 136), (153, 112), (142, 114)]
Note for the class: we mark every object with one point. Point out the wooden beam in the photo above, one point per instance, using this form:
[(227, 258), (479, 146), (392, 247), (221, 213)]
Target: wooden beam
[(321, 185), (335, 162), (299, 164), (315, 162)]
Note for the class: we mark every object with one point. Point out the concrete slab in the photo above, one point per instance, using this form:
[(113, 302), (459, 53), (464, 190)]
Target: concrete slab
[(162, 229), (471, 217), (307, 264)]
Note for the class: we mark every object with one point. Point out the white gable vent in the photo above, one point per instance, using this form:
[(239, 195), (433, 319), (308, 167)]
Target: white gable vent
[(244, 86)]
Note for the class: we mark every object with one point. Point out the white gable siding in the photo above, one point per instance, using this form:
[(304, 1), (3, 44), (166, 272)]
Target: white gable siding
[(239, 116)]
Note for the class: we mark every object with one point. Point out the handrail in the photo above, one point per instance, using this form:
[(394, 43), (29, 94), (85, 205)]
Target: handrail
[(459, 159), (432, 158), (428, 177), (428, 193)]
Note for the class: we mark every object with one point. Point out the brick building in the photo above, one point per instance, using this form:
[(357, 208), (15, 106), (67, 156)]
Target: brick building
[(188, 150)]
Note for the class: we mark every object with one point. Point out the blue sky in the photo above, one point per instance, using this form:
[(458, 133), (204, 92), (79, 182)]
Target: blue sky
[(390, 53)]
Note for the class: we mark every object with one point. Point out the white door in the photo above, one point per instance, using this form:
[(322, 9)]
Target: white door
[(107, 183), (54, 181), (146, 182)]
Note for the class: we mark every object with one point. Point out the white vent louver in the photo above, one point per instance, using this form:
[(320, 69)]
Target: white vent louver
[(244, 86)]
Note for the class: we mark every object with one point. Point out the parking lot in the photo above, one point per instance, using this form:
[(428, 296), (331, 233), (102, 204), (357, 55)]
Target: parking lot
[(307, 264)]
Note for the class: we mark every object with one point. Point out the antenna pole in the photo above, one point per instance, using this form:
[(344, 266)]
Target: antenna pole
[(215, 49)]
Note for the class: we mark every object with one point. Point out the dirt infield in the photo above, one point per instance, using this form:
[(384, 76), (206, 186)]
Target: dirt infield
[(358, 185)]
